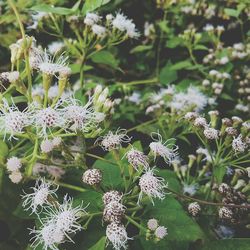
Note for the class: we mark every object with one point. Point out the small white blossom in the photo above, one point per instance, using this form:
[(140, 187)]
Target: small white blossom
[(12, 120), (39, 196), (152, 186), (211, 133), (161, 232), (47, 146), (113, 140), (91, 19), (152, 224), (13, 164), (110, 196), (117, 235), (55, 47), (48, 236), (16, 176), (190, 189), (113, 212), (168, 151), (99, 30)]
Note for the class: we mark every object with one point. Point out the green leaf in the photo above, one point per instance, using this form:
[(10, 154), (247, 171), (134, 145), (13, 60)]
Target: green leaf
[(219, 173), (167, 75), (181, 65), (4, 150), (200, 47), (170, 178), (181, 227), (100, 245), (55, 10), (174, 42), (226, 97), (91, 5), (227, 244), (232, 12), (141, 48), (105, 57), (23, 214)]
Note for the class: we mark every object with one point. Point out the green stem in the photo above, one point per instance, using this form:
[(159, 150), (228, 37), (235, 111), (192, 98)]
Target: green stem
[(132, 221)]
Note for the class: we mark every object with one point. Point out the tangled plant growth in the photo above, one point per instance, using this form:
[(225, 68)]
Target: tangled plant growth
[(121, 133)]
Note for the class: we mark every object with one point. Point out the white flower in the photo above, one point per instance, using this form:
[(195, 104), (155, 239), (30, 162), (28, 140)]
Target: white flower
[(36, 17), (168, 151), (205, 152), (136, 158), (135, 97), (123, 24), (110, 196), (224, 60), (208, 28), (46, 119), (47, 146), (148, 29), (79, 117), (152, 224), (161, 232), (152, 186), (54, 91), (37, 90), (13, 164), (48, 236), (158, 96), (200, 122), (16, 176), (99, 30), (55, 172), (117, 235), (191, 98), (51, 65), (113, 140), (11, 77), (91, 19), (55, 47), (242, 107), (57, 141), (40, 195), (12, 121), (65, 217), (92, 176), (239, 145), (225, 213), (190, 189)]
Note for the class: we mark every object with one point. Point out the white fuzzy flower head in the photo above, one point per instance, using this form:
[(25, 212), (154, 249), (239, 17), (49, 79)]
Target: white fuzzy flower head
[(46, 119), (54, 91), (66, 217), (190, 189), (192, 98), (48, 236), (200, 122), (11, 77), (92, 177), (123, 24), (55, 47), (117, 235), (13, 164), (79, 117), (16, 176), (168, 151), (47, 146), (39, 197), (239, 146), (91, 19), (152, 224), (113, 140), (12, 120), (110, 196), (161, 232), (136, 158), (99, 30), (113, 212), (50, 65), (211, 133), (152, 186), (57, 141), (55, 172)]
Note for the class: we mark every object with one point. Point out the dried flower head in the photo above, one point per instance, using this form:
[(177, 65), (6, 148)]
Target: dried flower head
[(239, 146), (92, 176), (110, 196), (117, 235), (113, 212), (47, 146), (194, 208), (225, 213)]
